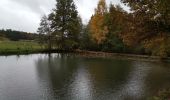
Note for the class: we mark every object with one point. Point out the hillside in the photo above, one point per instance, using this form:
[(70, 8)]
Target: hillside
[(17, 35), (3, 38)]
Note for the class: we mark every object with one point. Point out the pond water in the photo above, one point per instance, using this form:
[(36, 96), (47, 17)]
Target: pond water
[(70, 77)]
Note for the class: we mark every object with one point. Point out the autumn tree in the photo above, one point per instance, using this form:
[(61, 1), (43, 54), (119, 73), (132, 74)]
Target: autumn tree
[(115, 21), (65, 23), (150, 24), (97, 28)]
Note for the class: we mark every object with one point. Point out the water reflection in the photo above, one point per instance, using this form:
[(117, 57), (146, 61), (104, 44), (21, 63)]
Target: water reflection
[(82, 86), (58, 70), (71, 77), (134, 87), (76, 78)]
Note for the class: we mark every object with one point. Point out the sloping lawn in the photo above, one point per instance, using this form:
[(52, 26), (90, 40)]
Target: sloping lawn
[(17, 47)]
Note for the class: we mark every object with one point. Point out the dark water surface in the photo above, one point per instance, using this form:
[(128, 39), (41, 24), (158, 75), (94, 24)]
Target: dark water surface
[(68, 77)]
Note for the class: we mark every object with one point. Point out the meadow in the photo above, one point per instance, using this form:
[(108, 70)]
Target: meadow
[(20, 47)]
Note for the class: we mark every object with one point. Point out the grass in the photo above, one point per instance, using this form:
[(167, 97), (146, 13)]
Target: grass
[(19, 47)]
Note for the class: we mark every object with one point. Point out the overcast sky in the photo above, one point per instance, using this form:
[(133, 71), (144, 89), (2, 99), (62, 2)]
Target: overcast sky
[(25, 15)]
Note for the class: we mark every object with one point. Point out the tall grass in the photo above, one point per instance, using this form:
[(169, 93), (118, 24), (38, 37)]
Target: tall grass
[(17, 47)]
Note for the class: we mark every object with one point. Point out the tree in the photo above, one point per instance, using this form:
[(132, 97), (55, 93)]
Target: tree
[(45, 29), (97, 28), (115, 22), (150, 24), (86, 42), (65, 23)]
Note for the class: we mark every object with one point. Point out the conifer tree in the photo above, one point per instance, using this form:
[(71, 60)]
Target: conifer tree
[(65, 23)]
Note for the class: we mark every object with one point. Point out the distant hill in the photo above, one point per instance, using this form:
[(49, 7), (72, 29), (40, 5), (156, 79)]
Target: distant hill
[(17, 35), (3, 39)]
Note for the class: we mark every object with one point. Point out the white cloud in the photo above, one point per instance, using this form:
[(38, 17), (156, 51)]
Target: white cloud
[(86, 7), (25, 15)]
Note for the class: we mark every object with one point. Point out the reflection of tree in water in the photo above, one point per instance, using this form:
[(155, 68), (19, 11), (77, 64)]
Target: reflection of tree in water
[(75, 78), (81, 78), (54, 71), (104, 70), (108, 76), (159, 77)]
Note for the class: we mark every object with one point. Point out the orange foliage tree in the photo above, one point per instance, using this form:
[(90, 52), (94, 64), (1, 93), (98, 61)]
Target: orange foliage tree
[(97, 28)]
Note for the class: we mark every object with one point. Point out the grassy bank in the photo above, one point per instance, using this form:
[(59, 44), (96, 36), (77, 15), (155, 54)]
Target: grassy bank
[(19, 47), (121, 56)]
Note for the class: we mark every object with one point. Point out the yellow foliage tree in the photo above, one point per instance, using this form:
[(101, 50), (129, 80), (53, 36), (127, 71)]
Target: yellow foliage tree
[(158, 45), (97, 28)]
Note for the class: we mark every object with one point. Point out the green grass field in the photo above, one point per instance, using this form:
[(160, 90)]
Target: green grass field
[(19, 47)]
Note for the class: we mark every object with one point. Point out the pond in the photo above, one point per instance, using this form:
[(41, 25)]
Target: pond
[(71, 77)]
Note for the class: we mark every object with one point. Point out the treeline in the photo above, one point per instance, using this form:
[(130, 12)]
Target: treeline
[(143, 30), (17, 35)]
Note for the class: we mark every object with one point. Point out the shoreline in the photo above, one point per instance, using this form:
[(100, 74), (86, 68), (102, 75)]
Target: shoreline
[(85, 53), (121, 56), (29, 52)]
